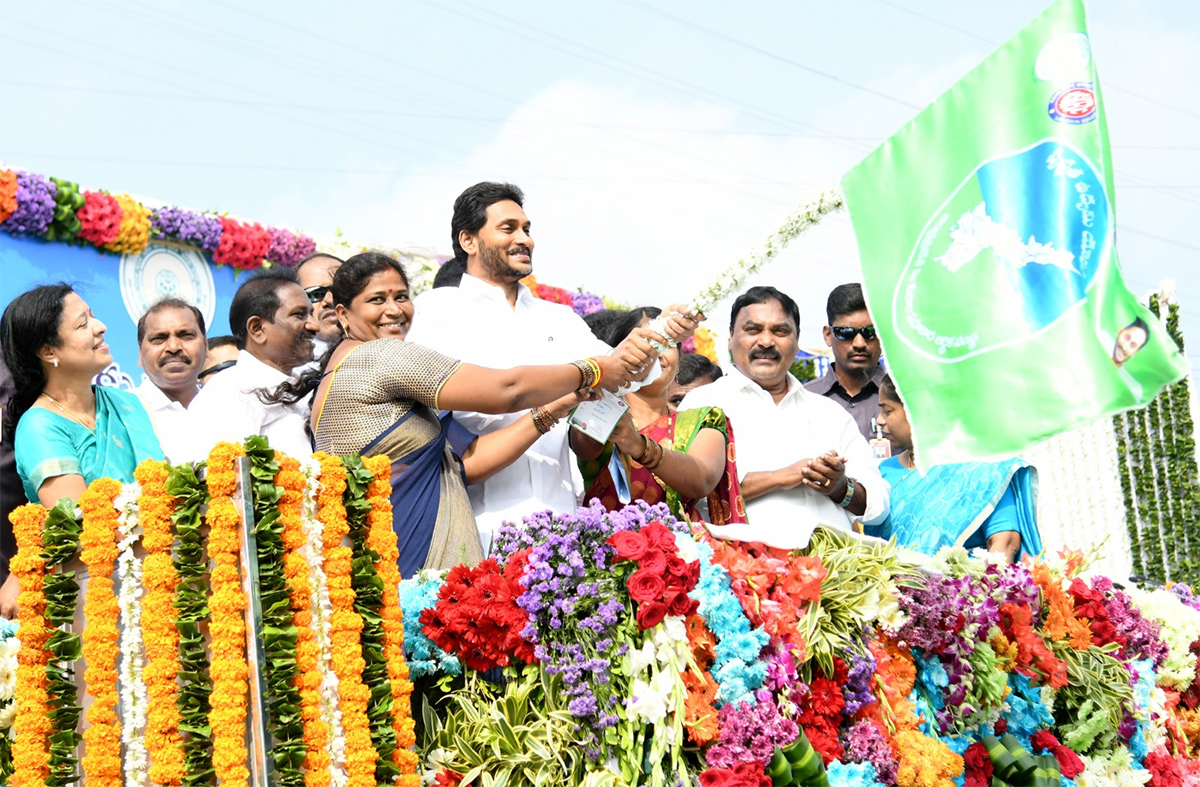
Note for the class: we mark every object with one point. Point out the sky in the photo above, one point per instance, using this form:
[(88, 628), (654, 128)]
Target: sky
[(656, 142)]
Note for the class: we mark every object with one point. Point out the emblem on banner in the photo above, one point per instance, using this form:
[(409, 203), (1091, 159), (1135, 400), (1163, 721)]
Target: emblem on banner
[(167, 271), (1074, 104)]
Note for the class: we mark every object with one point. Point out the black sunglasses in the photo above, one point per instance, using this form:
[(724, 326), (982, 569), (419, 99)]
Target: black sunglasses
[(316, 294), (846, 334), (220, 367)]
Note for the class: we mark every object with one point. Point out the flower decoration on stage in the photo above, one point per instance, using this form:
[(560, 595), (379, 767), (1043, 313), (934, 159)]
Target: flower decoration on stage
[(477, 618), (186, 226), (702, 342), (134, 232), (100, 218), (553, 294), (288, 248), (662, 580), (243, 245), (585, 303), (67, 201), (8, 194), (35, 206)]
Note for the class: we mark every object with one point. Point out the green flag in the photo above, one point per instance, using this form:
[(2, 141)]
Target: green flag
[(985, 228)]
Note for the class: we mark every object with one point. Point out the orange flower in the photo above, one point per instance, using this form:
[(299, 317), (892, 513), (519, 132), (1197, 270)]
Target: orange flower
[(925, 762), (345, 625), (102, 738), (228, 668), (1061, 623), (381, 539), (32, 725), (160, 633), (300, 594)]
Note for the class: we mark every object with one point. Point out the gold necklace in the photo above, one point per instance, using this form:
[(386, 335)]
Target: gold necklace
[(70, 413)]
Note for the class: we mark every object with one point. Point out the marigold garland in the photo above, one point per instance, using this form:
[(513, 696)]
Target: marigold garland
[(300, 595), (102, 738), (8, 194), (381, 539), (159, 631), (134, 231), (32, 726), (345, 625), (228, 626)]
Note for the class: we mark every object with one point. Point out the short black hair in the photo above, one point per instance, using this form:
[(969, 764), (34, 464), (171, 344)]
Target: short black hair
[(694, 366), (168, 303), (225, 340), (259, 297), (601, 321), (450, 273), (845, 299), (470, 209), (756, 295)]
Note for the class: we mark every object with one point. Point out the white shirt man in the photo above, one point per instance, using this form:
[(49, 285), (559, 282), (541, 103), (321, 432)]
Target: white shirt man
[(475, 323), (272, 315), (172, 352), (800, 456)]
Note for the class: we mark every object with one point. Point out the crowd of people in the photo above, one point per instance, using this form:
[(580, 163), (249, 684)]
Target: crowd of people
[(467, 387)]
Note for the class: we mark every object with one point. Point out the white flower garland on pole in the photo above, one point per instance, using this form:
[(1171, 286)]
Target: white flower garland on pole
[(134, 700), (321, 610)]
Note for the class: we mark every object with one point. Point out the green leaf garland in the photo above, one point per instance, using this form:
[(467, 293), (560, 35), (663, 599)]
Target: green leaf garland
[(191, 601), (60, 540), (279, 634), (368, 598)]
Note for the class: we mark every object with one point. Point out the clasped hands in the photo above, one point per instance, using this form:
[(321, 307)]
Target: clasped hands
[(825, 474)]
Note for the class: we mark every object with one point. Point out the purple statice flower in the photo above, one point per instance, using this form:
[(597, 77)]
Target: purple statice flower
[(579, 611), (1143, 637), (865, 742), (186, 226), (857, 690), (750, 732), (35, 205), (1184, 592), (584, 303), (288, 248)]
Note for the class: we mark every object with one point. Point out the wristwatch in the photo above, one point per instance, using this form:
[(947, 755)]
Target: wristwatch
[(849, 493)]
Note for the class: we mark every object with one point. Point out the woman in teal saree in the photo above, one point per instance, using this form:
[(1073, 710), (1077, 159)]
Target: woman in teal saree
[(67, 432), (987, 505)]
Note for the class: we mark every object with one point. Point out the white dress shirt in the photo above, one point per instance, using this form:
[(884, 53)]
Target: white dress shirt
[(475, 323), (172, 421), (227, 409), (771, 436)]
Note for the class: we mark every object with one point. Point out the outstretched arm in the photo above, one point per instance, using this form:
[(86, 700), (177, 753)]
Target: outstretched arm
[(491, 453), (483, 390)]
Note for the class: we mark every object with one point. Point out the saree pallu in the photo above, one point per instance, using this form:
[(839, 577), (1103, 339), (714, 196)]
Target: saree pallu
[(675, 431), (954, 504), (431, 513), (49, 444)]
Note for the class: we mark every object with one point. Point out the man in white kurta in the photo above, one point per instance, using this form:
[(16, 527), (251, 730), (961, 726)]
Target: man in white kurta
[(801, 460), (491, 319), (172, 350), (274, 319)]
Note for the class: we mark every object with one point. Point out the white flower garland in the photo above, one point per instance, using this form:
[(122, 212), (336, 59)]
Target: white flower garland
[(134, 700), (322, 610)]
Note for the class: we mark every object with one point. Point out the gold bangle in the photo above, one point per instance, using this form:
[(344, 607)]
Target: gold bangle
[(587, 375), (598, 369)]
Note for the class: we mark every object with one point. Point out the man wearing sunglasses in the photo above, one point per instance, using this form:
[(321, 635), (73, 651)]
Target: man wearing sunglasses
[(316, 277), (853, 378)]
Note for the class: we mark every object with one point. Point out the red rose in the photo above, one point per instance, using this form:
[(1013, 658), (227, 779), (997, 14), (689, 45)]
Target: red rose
[(1069, 764), (653, 561), (1001, 726), (978, 763), (678, 603), (659, 537), (692, 578), (751, 774), (1043, 740), (646, 586), (630, 545), (676, 566), (717, 777), (650, 614)]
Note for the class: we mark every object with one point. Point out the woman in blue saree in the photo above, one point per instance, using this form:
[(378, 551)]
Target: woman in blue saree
[(66, 432), (377, 394), (988, 505)]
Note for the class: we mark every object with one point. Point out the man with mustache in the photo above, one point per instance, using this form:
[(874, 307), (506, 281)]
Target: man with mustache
[(853, 378), (273, 318), (172, 352), (491, 319), (800, 458)]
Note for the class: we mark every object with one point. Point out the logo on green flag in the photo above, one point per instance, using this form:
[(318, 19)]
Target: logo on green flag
[(986, 232)]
